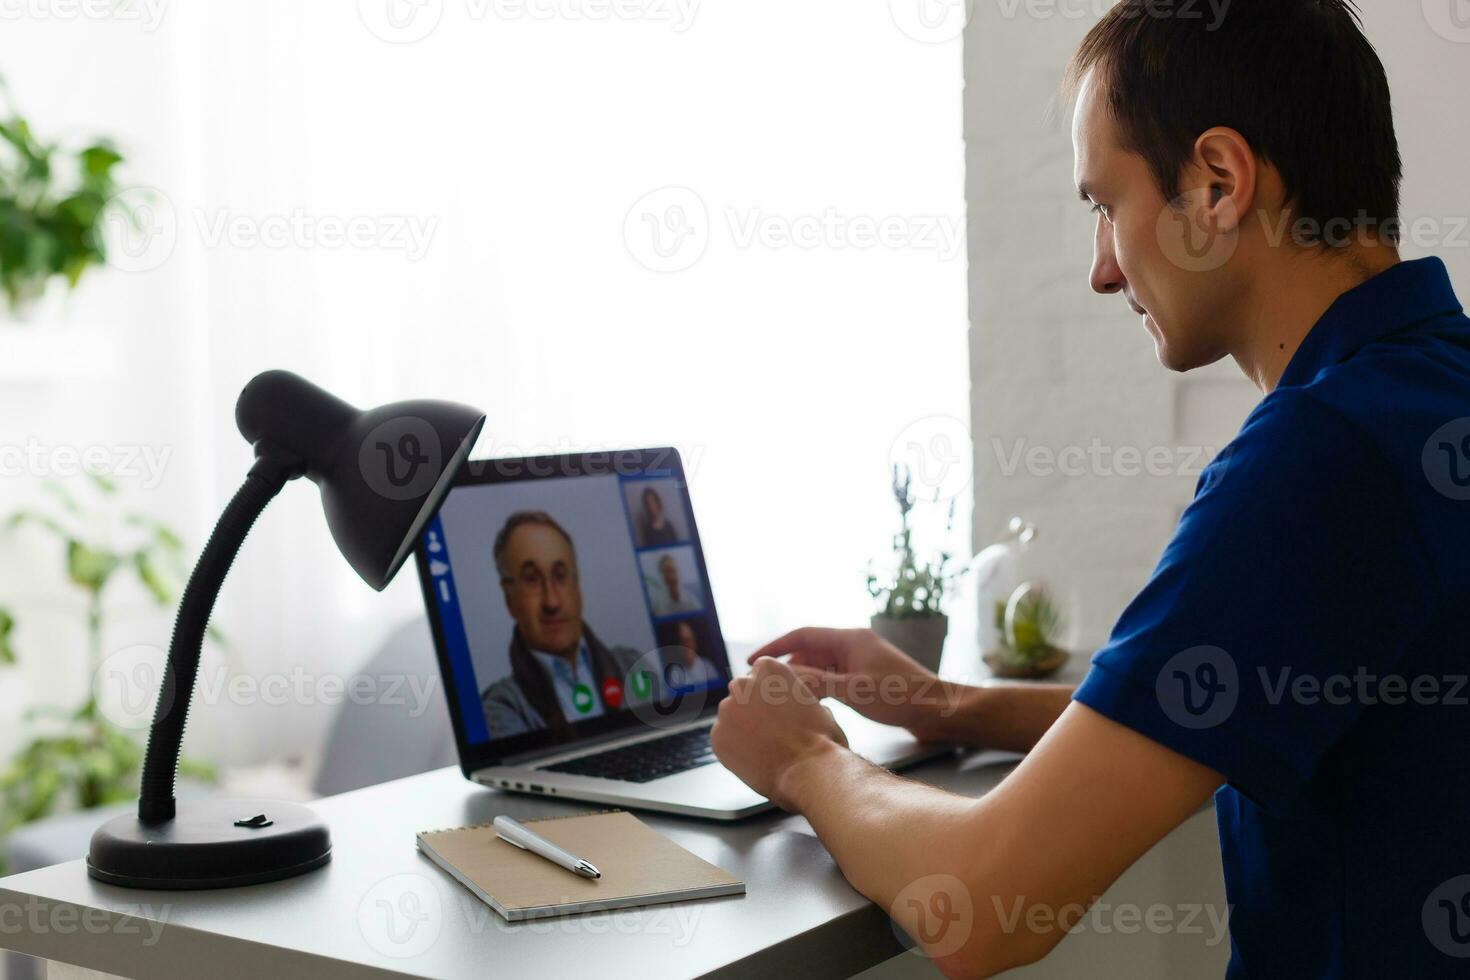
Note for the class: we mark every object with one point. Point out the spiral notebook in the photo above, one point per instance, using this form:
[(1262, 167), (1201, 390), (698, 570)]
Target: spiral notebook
[(639, 866)]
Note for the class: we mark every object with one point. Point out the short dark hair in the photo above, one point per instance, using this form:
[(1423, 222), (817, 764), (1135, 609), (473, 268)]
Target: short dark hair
[(1296, 78), (519, 519)]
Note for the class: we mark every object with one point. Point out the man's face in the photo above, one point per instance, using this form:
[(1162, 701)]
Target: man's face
[(1174, 275), (669, 572), (542, 591)]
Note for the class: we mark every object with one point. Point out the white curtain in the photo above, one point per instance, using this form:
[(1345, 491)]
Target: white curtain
[(733, 227)]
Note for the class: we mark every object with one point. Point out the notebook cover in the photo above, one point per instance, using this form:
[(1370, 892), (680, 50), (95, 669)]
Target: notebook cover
[(639, 866)]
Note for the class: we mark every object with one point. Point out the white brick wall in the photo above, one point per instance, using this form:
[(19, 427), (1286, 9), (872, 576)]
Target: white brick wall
[(1055, 365)]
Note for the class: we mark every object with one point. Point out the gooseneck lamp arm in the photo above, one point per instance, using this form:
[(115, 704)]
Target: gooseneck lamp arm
[(266, 478), (382, 474)]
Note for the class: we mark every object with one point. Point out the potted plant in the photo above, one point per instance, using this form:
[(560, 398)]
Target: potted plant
[(53, 203), (77, 759), (1030, 625), (912, 596)]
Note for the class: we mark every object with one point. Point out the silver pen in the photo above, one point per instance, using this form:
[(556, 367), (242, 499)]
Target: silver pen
[(514, 832)]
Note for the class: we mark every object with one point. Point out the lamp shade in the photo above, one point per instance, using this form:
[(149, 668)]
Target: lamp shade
[(382, 473)]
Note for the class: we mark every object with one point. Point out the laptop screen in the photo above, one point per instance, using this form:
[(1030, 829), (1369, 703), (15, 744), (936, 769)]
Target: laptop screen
[(569, 598)]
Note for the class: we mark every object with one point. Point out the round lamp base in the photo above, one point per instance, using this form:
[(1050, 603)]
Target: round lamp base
[(211, 843)]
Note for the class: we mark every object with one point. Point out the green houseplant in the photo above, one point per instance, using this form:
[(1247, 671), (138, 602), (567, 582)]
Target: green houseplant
[(53, 200), (911, 596), (75, 758)]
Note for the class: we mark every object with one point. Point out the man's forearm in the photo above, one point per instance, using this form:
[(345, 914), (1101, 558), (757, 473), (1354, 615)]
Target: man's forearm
[(1012, 717), (902, 844)]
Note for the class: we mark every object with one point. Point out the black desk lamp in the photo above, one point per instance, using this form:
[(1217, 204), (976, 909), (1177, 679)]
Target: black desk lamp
[(382, 474)]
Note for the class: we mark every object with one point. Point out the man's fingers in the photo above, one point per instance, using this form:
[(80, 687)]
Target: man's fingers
[(823, 683), (815, 646)]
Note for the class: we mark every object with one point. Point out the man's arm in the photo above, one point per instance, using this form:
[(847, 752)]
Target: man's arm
[(983, 885), (879, 680), (1012, 717)]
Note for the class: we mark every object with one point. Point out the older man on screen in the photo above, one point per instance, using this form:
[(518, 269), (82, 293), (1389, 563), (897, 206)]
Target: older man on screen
[(561, 672)]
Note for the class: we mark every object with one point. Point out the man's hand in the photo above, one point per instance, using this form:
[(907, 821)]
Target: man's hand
[(861, 669), (769, 722)]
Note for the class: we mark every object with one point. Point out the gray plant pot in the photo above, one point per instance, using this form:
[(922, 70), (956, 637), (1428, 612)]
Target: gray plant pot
[(921, 637)]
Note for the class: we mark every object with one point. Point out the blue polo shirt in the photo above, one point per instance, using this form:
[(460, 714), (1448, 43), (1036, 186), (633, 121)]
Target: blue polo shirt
[(1307, 635)]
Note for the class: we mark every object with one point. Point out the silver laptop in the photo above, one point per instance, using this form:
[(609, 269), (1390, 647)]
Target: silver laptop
[(578, 640)]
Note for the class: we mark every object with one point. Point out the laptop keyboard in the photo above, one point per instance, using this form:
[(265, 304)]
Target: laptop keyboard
[(645, 761)]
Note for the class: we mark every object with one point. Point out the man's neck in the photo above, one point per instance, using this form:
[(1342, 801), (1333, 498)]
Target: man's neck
[(1286, 302)]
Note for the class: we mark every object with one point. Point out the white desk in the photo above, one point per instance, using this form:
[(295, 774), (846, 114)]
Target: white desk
[(380, 909)]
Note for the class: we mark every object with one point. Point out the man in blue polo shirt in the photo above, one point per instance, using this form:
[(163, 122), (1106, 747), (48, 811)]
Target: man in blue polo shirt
[(1300, 651)]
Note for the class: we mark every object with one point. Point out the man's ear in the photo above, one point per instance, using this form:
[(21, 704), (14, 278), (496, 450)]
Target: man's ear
[(1227, 165)]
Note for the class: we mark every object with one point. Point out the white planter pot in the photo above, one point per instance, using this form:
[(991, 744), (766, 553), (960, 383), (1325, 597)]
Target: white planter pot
[(921, 637)]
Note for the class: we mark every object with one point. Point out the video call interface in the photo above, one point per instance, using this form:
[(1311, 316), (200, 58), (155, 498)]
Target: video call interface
[(567, 599)]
